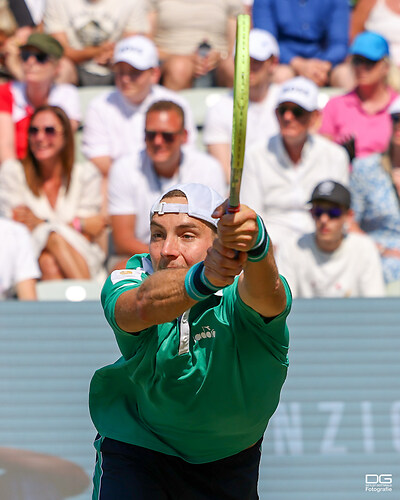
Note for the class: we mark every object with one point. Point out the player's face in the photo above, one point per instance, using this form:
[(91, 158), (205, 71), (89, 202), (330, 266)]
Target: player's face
[(37, 66), (164, 136), (329, 220), (46, 136), (177, 240), (134, 84)]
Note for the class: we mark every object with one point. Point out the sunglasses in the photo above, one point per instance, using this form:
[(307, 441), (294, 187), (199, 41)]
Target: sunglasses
[(395, 118), (48, 131), (333, 213), (40, 57), (297, 111), (169, 137), (359, 61)]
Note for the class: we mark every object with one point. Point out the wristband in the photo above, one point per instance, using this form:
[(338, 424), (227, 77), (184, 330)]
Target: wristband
[(197, 286), (77, 224), (261, 247)]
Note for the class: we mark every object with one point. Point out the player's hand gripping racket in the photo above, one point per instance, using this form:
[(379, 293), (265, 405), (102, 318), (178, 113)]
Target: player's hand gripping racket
[(240, 105)]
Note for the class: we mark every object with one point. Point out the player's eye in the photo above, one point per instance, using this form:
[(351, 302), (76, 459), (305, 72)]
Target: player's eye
[(157, 235), (188, 236)]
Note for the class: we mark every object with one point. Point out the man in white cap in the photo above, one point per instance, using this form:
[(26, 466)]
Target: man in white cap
[(136, 180), (201, 324), (261, 120), (329, 262), (281, 172), (114, 123)]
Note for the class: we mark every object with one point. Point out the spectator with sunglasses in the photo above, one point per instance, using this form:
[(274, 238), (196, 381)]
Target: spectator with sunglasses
[(57, 199), (362, 114), (18, 99), (136, 180), (114, 122), (330, 262), (383, 17), (375, 187), (281, 172)]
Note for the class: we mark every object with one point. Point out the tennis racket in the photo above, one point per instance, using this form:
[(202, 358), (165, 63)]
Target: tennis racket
[(240, 105)]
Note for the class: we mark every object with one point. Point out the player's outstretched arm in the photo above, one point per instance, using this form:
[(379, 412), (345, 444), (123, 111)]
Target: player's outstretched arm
[(160, 298), (163, 296), (259, 285)]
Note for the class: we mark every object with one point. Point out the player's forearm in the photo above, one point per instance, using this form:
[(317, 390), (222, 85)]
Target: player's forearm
[(261, 288), (160, 298)]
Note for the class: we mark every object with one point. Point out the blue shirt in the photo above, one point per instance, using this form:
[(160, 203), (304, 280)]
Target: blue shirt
[(306, 28)]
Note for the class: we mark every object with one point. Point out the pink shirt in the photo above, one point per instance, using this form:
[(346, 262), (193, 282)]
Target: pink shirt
[(343, 116)]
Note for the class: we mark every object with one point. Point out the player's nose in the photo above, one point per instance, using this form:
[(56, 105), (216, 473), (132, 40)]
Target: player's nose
[(169, 247)]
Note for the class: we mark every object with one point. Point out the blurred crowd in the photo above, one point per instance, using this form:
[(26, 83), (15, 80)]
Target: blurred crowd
[(322, 163)]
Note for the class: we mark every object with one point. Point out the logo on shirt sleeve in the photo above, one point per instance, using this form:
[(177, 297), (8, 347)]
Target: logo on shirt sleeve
[(127, 274)]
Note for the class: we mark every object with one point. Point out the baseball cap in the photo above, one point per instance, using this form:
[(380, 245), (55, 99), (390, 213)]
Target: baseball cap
[(370, 45), (331, 191), (394, 108), (201, 202), (46, 44), (262, 45), (301, 91), (138, 51)]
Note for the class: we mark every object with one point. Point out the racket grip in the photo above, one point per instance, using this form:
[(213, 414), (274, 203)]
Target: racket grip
[(232, 210)]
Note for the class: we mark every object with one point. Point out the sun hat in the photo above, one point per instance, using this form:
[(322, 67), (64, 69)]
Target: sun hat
[(138, 51), (331, 191), (262, 45), (300, 91), (46, 44), (370, 45), (201, 202)]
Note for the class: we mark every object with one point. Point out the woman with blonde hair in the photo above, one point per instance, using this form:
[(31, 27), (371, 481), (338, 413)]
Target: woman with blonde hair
[(375, 187), (58, 200)]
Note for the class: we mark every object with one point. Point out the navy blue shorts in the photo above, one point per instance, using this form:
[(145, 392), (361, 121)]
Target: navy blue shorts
[(127, 472)]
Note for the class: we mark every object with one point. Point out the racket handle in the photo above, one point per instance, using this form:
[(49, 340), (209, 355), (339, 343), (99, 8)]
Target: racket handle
[(232, 210)]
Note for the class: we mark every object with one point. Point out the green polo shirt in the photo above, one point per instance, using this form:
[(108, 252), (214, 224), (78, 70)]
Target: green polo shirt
[(201, 387)]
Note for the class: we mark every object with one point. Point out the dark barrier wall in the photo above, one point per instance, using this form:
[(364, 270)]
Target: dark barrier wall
[(336, 433)]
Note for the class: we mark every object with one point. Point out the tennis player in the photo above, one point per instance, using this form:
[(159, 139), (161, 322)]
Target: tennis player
[(201, 325)]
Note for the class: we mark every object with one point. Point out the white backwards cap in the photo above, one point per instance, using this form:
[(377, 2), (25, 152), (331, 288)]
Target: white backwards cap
[(201, 202)]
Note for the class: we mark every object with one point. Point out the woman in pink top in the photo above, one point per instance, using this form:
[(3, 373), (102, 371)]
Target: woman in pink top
[(362, 115)]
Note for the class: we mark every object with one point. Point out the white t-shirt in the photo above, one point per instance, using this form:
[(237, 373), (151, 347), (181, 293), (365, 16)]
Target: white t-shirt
[(87, 23), (114, 127), (17, 261), (134, 186), (353, 270), (261, 119), (279, 190)]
